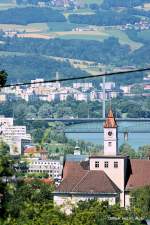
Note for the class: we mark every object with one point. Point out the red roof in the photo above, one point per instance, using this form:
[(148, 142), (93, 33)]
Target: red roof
[(110, 121), (78, 179), (34, 149), (140, 174), (47, 180)]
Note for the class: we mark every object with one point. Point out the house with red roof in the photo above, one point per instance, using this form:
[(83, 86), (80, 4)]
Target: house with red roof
[(35, 152), (109, 177)]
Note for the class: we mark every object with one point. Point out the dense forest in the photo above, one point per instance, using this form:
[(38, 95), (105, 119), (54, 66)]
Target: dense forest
[(107, 4), (101, 52), (30, 15), (30, 2), (25, 68), (105, 18), (32, 57)]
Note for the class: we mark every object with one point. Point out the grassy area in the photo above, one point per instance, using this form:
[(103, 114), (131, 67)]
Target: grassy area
[(85, 36), (145, 35), (99, 35), (33, 27), (62, 26), (79, 11), (93, 1), (57, 148), (64, 30), (124, 39)]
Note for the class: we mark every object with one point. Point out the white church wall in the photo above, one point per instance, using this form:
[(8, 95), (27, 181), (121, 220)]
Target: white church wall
[(68, 202), (115, 174)]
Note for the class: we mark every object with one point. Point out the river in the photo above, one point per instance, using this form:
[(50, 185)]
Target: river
[(134, 139)]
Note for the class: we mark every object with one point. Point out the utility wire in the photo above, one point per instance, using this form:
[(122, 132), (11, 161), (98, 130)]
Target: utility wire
[(121, 72)]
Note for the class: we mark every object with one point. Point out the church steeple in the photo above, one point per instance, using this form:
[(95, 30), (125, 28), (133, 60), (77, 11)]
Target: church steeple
[(110, 121), (110, 135)]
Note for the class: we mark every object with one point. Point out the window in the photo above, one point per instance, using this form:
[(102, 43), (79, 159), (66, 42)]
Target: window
[(106, 164), (96, 164), (109, 144), (115, 164)]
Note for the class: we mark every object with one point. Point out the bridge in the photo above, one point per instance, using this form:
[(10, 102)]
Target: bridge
[(125, 128), (98, 130), (86, 120)]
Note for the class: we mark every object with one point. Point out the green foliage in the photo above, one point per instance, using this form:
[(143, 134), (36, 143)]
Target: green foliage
[(107, 4), (126, 149), (96, 51), (141, 201), (3, 78), (27, 67), (30, 15), (86, 213), (37, 175), (6, 171), (144, 151), (105, 18), (52, 134)]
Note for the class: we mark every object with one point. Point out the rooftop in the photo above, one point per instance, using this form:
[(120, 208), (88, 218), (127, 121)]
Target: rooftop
[(110, 121), (79, 179)]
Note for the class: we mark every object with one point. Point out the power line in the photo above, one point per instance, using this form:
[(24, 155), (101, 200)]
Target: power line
[(121, 72)]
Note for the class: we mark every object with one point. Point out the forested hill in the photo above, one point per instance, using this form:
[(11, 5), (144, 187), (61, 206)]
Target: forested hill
[(30, 15), (107, 4), (27, 67), (30, 57), (108, 51), (105, 18)]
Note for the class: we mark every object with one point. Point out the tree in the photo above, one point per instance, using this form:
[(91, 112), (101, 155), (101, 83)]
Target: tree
[(144, 151), (6, 171), (141, 200), (3, 78), (45, 110), (126, 149)]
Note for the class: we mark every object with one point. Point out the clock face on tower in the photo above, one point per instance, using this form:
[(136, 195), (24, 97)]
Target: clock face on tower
[(110, 133)]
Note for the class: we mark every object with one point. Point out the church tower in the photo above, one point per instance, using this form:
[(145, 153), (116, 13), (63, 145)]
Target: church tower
[(110, 135)]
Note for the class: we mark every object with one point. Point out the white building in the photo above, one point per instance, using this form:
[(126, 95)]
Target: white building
[(52, 167), (80, 96), (13, 135), (126, 89), (86, 86), (108, 85), (109, 177)]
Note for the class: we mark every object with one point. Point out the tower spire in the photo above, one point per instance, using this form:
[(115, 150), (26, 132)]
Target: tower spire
[(110, 135), (110, 121)]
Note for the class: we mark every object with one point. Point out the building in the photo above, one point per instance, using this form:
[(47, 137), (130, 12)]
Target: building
[(39, 162), (108, 85), (86, 86), (33, 152), (109, 177), (52, 167), (13, 135)]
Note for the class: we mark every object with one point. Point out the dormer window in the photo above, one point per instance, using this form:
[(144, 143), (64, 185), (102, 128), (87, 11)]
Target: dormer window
[(115, 164), (96, 164)]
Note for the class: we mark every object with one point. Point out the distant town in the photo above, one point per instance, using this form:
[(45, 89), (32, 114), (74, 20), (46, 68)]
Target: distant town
[(79, 91)]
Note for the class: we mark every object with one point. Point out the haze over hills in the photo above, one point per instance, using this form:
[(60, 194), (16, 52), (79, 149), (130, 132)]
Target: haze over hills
[(110, 34)]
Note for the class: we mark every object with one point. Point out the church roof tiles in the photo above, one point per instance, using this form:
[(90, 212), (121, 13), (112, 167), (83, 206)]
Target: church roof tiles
[(110, 121)]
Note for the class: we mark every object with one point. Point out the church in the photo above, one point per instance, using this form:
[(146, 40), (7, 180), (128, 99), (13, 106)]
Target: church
[(109, 177)]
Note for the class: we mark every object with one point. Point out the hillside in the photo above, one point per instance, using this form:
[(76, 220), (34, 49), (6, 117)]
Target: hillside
[(109, 33)]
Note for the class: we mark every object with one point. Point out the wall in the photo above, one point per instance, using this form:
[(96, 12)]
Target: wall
[(68, 201), (117, 175)]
